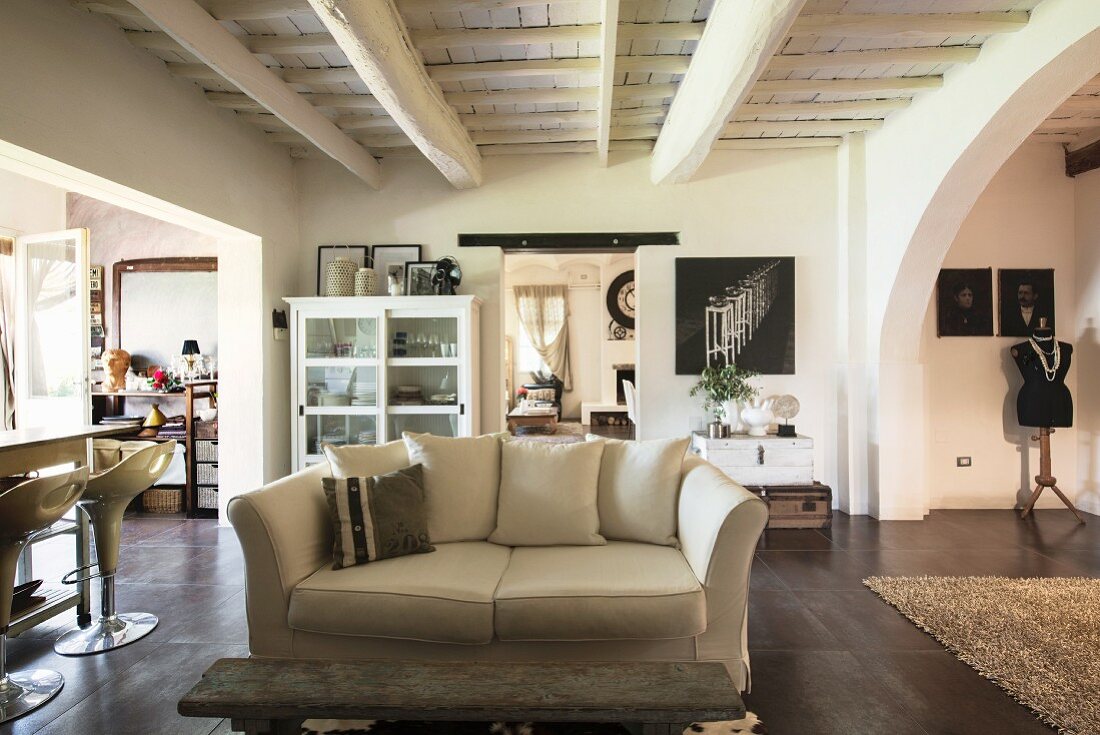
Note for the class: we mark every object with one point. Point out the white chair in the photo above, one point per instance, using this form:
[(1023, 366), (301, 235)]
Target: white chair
[(631, 401)]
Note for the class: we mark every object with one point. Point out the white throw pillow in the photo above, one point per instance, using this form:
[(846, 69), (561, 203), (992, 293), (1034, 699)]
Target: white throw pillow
[(548, 495), (461, 482), (366, 460), (639, 489)]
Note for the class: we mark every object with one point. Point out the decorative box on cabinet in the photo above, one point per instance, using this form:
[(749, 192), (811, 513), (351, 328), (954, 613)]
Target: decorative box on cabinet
[(760, 460), (365, 369)]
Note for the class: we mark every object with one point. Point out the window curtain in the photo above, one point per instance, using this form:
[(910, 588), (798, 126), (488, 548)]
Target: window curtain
[(544, 313), (7, 372)]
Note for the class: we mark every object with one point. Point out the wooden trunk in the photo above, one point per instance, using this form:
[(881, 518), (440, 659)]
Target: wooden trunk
[(797, 506)]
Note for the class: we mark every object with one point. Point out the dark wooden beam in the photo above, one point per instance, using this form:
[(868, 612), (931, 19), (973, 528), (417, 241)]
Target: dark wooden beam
[(569, 242), (1083, 160)]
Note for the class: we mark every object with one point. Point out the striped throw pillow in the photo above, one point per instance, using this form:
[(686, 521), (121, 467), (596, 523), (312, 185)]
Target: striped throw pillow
[(377, 517)]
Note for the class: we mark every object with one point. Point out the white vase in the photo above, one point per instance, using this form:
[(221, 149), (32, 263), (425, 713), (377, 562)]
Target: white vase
[(733, 415), (758, 417)]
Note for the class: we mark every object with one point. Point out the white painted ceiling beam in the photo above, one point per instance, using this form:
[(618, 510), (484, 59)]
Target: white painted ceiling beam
[(768, 143), (1071, 123), (768, 128), (1081, 103), (891, 85), (529, 118), (838, 59), (463, 37), (205, 37), (461, 6), (907, 25), (609, 38), (373, 36), (843, 109), (738, 41)]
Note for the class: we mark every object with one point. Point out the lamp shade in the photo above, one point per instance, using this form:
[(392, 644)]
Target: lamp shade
[(190, 347)]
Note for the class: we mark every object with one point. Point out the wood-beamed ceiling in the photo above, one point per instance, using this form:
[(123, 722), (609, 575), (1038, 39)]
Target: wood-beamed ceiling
[(579, 76)]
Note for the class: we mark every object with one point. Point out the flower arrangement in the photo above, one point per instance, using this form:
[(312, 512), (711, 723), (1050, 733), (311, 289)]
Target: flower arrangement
[(165, 381), (720, 385)]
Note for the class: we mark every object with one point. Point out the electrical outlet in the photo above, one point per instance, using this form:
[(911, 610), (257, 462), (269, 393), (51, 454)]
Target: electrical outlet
[(962, 461)]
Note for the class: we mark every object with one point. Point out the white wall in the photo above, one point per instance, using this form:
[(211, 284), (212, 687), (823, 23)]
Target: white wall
[(1087, 347), (28, 207), (582, 276), (74, 90), (748, 203), (1024, 219)]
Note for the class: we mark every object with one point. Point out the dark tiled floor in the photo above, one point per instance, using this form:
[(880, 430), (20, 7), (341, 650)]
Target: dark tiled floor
[(828, 656)]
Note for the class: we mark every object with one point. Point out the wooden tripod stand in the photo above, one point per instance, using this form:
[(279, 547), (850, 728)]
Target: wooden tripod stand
[(1044, 479)]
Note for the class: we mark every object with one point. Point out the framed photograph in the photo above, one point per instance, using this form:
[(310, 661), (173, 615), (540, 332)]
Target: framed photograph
[(328, 253), (96, 319), (389, 260), (1025, 295), (418, 278), (97, 307), (95, 284), (735, 311), (964, 302)]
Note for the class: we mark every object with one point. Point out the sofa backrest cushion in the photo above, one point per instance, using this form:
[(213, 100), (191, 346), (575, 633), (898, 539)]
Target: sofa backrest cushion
[(366, 460), (548, 495), (639, 487), (461, 481)]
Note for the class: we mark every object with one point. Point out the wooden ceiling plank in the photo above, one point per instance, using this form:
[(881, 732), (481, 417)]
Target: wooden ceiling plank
[(364, 122), (1081, 103), (907, 25), (767, 128), (462, 6), (891, 85), (529, 118), (737, 44), (459, 37), (309, 43), (609, 35), (373, 36), (547, 95), (257, 9), (661, 31), (1083, 160), (845, 108), (1070, 123), (838, 59), (202, 35), (729, 144), (524, 68)]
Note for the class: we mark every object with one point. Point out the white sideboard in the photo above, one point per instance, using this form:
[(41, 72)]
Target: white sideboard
[(367, 368), (759, 460)]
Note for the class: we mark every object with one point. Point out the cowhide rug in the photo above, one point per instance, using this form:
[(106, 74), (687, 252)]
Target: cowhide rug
[(751, 724)]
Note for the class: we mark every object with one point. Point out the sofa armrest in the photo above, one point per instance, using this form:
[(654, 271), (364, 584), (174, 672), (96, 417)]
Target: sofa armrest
[(286, 535), (720, 523)]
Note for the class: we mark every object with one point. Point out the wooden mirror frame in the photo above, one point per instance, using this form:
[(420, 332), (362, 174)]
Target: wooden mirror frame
[(149, 265)]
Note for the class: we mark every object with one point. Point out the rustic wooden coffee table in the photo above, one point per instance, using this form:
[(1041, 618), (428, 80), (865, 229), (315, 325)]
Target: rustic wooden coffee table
[(276, 695)]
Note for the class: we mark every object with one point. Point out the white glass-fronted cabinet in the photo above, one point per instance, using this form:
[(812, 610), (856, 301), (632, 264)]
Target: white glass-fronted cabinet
[(365, 369)]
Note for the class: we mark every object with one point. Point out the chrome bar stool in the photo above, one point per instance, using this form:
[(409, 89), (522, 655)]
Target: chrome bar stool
[(105, 501), (25, 510)]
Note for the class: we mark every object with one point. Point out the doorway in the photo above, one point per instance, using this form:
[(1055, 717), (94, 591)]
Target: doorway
[(570, 327)]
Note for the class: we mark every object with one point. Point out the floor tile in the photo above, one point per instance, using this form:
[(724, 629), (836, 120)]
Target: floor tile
[(1013, 562), (226, 623), (794, 539), (179, 607), (197, 532), (136, 528), (778, 621), (946, 696), (860, 620), (147, 693), (156, 564), (823, 693), (763, 578), (815, 570)]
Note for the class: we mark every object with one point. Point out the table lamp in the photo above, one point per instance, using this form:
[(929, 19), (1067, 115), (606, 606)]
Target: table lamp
[(189, 351)]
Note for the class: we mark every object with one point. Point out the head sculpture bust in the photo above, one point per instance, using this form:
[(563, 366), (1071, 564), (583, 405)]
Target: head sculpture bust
[(115, 364)]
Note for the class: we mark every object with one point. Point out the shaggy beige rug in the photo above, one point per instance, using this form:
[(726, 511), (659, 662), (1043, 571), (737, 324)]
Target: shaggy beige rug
[(1038, 639)]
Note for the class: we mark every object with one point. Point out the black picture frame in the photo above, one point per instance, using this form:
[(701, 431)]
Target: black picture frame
[(705, 286), (391, 259), (964, 302), (1010, 283), (418, 278), (327, 253)]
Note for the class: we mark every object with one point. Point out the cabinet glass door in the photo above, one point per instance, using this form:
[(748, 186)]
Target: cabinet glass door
[(423, 375), (337, 383)]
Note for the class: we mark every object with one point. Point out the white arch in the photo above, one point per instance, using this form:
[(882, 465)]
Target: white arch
[(925, 170)]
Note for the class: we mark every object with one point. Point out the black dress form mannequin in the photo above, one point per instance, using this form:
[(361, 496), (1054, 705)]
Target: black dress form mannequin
[(1044, 401)]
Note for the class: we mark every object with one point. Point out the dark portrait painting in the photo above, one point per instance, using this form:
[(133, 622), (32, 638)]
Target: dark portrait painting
[(735, 310), (1026, 296), (964, 302)]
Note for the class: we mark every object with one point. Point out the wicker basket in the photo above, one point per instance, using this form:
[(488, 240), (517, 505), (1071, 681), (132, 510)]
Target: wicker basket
[(207, 497), (366, 281), (340, 277), (206, 451), (162, 500), (206, 474)]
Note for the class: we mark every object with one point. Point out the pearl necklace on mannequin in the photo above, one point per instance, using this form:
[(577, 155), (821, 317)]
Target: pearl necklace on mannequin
[(1050, 370)]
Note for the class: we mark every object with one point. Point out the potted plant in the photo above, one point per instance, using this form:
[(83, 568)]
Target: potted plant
[(724, 389)]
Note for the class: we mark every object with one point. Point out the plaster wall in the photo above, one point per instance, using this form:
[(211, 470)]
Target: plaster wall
[(1023, 219), (1087, 344), (76, 91), (747, 203)]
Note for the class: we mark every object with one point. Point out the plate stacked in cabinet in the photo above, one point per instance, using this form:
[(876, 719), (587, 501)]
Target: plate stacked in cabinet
[(206, 465)]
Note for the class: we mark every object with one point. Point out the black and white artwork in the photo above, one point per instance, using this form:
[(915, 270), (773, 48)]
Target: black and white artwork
[(418, 278), (1026, 295), (328, 253), (389, 260), (964, 302), (735, 310)]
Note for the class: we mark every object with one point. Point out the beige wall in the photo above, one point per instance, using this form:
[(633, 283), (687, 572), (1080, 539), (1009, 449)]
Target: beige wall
[(1024, 219), (74, 90), (748, 203), (1087, 347)]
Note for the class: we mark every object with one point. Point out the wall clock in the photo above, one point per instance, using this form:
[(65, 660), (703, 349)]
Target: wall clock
[(620, 299)]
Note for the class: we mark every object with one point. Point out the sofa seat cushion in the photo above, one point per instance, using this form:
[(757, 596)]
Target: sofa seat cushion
[(620, 591), (445, 597)]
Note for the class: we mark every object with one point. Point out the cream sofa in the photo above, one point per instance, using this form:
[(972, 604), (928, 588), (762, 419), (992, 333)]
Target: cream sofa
[(474, 600)]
